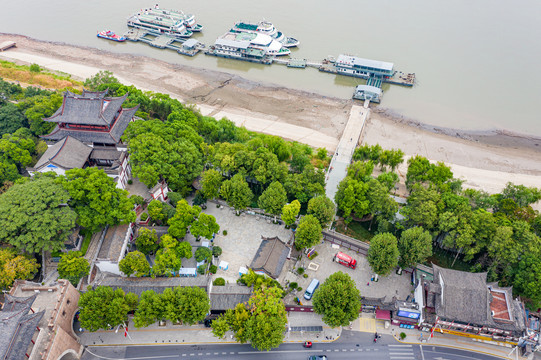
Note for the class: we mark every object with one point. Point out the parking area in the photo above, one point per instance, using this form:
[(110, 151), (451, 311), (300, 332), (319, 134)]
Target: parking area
[(243, 238), (390, 286)]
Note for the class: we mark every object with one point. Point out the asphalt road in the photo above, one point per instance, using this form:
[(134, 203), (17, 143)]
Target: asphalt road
[(351, 345)]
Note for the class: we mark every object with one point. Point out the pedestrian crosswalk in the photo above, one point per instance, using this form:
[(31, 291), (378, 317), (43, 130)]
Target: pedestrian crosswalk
[(401, 352)]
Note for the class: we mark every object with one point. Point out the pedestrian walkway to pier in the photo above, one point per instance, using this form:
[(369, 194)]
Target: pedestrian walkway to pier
[(342, 157), (189, 47)]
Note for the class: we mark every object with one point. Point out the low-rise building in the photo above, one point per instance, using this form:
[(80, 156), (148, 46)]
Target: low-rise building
[(37, 322), (270, 257)]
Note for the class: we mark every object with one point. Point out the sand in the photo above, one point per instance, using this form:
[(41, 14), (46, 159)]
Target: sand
[(485, 160)]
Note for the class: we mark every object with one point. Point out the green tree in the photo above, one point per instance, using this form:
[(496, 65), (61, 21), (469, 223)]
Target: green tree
[(262, 321), (236, 192), (96, 199), (149, 310), (338, 300), (351, 198), (185, 304), (184, 217), (11, 119), (273, 199), (527, 278), (33, 215), (415, 246), (308, 232), (167, 262), (204, 226), (39, 107), (203, 254), (382, 205), (421, 170), (211, 180), (423, 207), (104, 308), (184, 250), (14, 266), (101, 78), (170, 151), (520, 194), (216, 251), (383, 253), (147, 241), (290, 212), (136, 263), (322, 208), (304, 186), (73, 266), (155, 210)]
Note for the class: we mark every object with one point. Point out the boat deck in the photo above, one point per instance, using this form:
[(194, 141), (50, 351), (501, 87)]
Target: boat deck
[(163, 41), (399, 77)]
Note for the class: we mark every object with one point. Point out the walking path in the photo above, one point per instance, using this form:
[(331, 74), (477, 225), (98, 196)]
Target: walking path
[(342, 157)]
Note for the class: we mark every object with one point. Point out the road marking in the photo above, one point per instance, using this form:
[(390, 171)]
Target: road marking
[(192, 354), (183, 354), (200, 354), (224, 353), (278, 351), (400, 353), (336, 350), (399, 345), (232, 353), (216, 353), (351, 349), (422, 353), (207, 354)]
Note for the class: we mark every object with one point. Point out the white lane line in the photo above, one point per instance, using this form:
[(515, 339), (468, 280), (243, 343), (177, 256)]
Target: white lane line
[(398, 345), (400, 353), (422, 353), (336, 350), (224, 353), (351, 349), (216, 353), (277, 351)]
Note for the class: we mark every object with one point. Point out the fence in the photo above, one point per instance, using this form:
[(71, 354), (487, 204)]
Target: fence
[(346, 241)]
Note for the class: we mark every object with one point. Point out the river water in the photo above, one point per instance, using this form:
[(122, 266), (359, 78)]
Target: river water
[(476, 62)]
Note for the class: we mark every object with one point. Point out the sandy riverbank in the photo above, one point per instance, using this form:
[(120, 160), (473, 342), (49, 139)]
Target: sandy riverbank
[(485, 160)]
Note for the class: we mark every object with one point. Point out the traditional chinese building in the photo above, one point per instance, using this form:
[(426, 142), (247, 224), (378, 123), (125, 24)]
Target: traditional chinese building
[(91, 118)]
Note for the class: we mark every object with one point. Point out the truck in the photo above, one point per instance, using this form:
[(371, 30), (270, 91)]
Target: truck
[(345, 260)]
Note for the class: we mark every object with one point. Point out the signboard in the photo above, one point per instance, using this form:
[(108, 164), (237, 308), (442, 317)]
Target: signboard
[(409, 314)]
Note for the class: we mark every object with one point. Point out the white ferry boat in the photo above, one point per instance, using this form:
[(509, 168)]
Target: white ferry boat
[(189, 19), (267, 28), (162, 24), (254, 47)]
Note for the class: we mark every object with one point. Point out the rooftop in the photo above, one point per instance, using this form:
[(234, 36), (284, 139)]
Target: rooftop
[(138, 285), (113, 242), (68, 153), (499, 306), (271, 256), (228, 296), (357, 61)]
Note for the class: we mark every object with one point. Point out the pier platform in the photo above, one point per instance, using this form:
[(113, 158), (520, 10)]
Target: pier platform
[(188, 47), (398, 78)]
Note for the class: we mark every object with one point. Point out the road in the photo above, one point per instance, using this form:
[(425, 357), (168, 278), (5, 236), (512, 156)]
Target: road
[(350, 345)]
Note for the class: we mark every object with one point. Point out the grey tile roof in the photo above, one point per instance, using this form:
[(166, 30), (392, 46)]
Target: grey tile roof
[(464, 296), (228, 296), (106, 154), (112, 242), (138, 285), (271, 256), (68, 153), (98, 137), (17, 327)]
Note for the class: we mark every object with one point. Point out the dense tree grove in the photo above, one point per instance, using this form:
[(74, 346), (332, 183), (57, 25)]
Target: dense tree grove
[(15, 266)]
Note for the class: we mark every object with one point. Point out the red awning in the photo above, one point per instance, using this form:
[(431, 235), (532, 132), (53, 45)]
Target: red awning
[(383, 314)]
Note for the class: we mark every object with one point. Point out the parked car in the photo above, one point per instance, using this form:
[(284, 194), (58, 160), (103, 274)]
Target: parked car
[(317, 357)]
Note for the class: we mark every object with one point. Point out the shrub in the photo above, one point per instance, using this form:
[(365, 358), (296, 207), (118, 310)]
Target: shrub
[(218, 282), (224, 232), (293, 285), (137, 199), (305, 276), (202, 253), (213, 269), (201, 269), (130, 181), (402, 335), (174, 198), (35, 68), (300, 270), (144, 217), (299, 289), (216, 251)]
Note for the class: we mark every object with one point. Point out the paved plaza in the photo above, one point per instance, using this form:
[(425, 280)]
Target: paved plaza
[(389, 286), (243, 238)]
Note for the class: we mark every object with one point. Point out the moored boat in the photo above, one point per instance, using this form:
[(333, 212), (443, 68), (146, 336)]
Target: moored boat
[(188, 19), (160, 23), (267, 28), (110, 35)]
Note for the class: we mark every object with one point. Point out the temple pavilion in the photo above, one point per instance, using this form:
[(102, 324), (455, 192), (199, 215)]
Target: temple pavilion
[(91, 118)]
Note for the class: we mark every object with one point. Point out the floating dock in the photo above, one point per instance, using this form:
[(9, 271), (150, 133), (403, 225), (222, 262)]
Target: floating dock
[(188, 47), (7, 45)]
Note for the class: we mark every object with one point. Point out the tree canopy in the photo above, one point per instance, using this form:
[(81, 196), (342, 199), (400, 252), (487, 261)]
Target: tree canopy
[(105, 308), (211, 180), (338, 300), (15, 266), (290, 212), (414, 246), (236, 192), (273, 198), (147, 241), (204, 226), (322, 208), (383, 253), (34, 215), (308, 232), (96, 199), (73, 266), (135, 263), (185, 216)]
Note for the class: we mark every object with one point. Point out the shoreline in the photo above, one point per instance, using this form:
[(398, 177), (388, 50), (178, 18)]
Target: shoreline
[(485, 159), (492, 136)]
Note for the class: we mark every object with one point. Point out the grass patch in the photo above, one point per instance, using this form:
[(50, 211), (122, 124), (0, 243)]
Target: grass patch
[(49, 80), (444, 259), (356, 230), (86, 241)]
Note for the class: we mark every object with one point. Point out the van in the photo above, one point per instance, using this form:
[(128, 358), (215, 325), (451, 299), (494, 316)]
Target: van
[(311, 288)]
